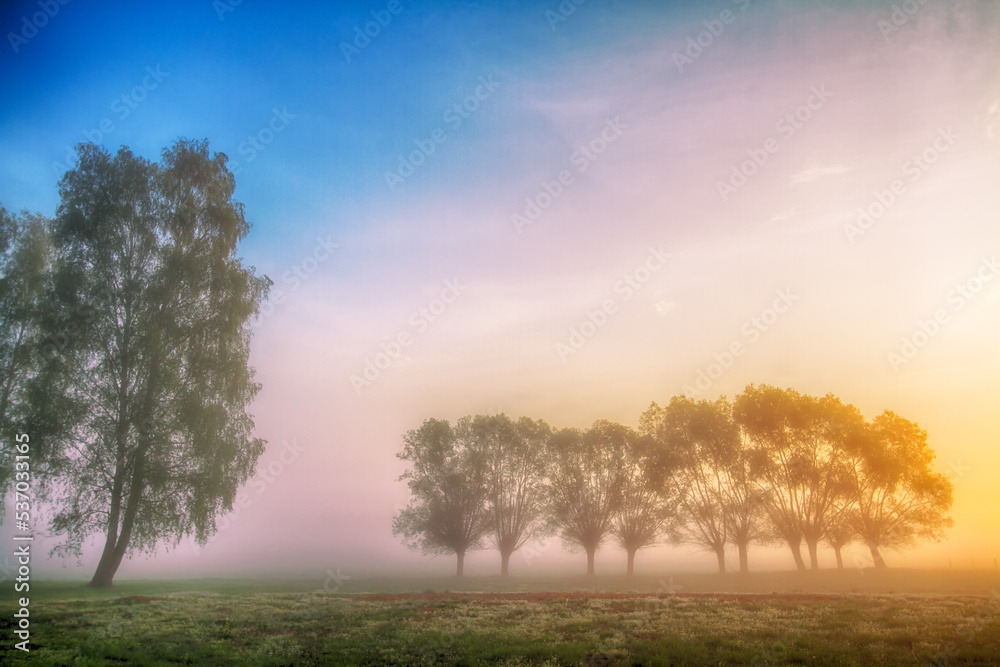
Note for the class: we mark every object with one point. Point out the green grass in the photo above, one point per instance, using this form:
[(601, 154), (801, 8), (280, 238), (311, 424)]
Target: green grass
[(239, 622)]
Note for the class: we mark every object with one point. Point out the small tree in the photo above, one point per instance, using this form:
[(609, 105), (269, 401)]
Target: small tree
[(447, 480), (514, 456), (900, 499), (745, 504), (840, 530), (836, 427), (648, 495), (706, 439), (778, 424), (586, 484)]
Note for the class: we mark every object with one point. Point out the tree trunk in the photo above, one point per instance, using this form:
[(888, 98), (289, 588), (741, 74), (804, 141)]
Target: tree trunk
[(840, 559), (111, 557), (744, 558), (813, 553), (460, 569), (631, 562), (590, 561), (720, 553), (876, 556), (505, 563), (102, 577), (796, 548)]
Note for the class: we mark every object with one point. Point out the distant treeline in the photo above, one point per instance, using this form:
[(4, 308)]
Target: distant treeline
[(773, 466)]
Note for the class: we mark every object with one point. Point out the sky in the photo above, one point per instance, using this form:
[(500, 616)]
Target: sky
[(559, 210)]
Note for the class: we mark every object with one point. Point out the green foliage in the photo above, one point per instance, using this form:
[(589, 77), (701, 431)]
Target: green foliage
[(586, 484), (25, 256), (147, 340), (707, 443), (774, 465), (650, 494), (516, 471), (447, 479)]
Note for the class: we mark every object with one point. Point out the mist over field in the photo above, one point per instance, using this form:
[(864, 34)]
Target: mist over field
[(559, 211)]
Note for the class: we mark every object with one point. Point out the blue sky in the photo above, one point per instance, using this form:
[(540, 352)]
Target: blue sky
[(667, 124), (226, 70)]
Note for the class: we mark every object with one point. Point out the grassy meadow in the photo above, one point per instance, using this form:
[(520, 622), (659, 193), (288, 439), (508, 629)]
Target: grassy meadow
[(884, 618)]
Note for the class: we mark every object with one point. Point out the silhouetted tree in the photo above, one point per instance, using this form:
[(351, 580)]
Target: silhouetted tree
[(800, 444), (899, 498), (516, 468), (160, 362), (447, 479), (770, 418), (703, 435), (744, 502), (773, 465), (840, 529), (585, 486), (837, 428), (648, 495)]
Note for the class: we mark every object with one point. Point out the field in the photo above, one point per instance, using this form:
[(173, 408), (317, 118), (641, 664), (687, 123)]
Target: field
[(768, 618)]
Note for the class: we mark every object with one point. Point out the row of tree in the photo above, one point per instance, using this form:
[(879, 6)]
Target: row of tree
[(774, 466), (124, 348)]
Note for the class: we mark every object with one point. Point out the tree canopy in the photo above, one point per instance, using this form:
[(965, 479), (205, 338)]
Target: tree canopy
[(25, 259), (897, 497), (649, 496), (448, 484), (772, 466), (585, 490), (516, 471), (146, 335)]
